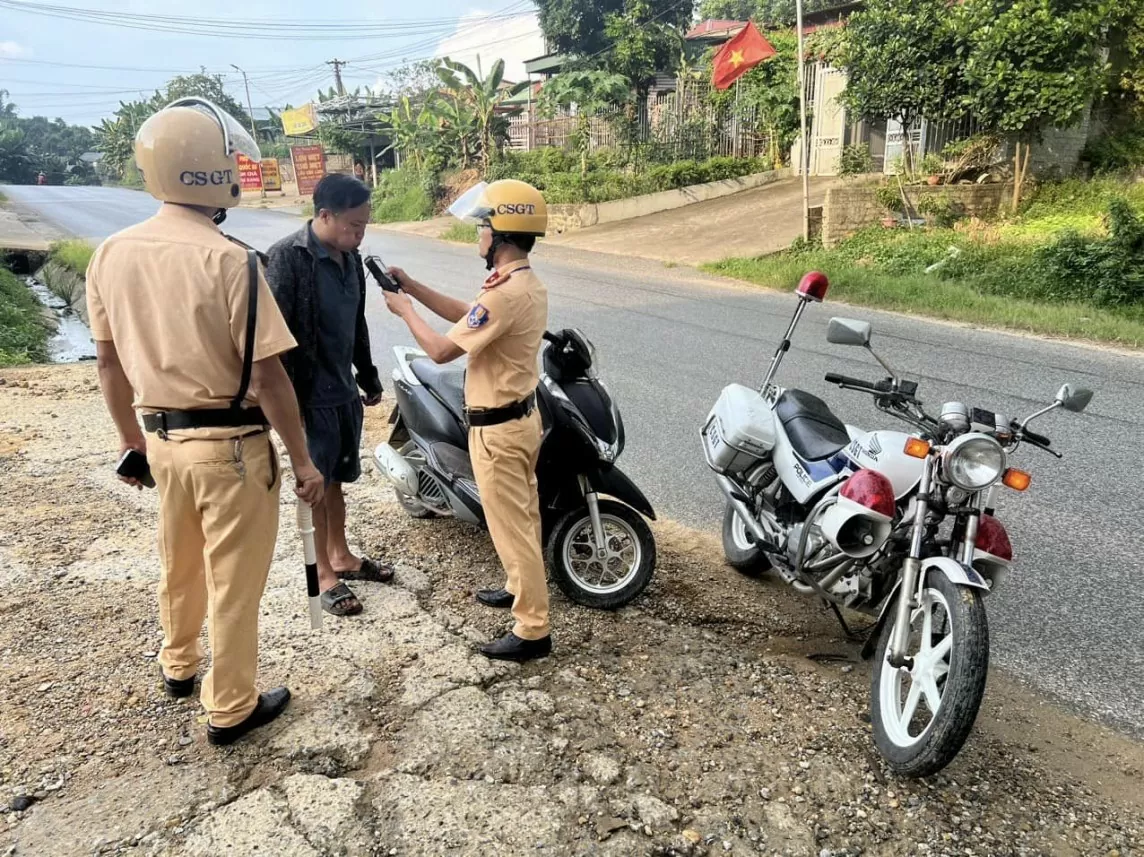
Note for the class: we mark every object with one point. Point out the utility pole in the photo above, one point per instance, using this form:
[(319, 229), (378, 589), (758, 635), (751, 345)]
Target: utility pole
[(804, 143), (337, 64), (253, 127)]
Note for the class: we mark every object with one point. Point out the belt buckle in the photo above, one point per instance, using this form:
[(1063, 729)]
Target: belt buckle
[(162, 432)]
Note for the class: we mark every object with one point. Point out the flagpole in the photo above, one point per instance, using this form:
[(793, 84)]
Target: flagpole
[(804, 143)]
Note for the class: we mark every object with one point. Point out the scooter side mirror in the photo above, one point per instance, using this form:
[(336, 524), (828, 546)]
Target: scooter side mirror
[(848, 331), (1074, 399)]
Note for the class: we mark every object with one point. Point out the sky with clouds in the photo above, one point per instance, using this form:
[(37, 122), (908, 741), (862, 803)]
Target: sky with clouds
[(79, 68)]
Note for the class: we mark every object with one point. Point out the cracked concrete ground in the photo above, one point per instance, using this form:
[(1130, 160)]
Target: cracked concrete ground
[(690, 723)]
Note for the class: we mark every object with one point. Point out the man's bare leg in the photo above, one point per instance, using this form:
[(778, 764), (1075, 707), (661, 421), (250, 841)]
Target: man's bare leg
[(327, 576), (337, 547)]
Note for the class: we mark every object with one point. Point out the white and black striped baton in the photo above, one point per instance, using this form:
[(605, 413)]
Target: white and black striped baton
[(306, 528)]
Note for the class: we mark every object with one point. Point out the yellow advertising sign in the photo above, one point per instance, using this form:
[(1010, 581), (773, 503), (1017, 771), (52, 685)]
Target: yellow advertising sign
[(295, 123), (271, 175)]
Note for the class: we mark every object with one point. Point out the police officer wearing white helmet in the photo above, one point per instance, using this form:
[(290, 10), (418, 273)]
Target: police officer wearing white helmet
[(501, 331), (189, 337)]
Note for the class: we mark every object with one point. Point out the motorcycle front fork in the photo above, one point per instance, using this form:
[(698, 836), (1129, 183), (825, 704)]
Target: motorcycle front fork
[(908, 592), (909, 597), (593, 501)]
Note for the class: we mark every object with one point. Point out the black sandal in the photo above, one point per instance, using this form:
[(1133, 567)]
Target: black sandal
[(337, 595), (370, 572)]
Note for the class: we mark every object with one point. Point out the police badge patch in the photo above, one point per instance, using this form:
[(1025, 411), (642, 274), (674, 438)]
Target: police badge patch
[(478, 316)]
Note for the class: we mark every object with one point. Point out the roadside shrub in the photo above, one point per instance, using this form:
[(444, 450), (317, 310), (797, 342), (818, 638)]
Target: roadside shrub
[(73, 255), (1107, 271), (402, 195), (855, 160), (24, 330), (1117, 151)]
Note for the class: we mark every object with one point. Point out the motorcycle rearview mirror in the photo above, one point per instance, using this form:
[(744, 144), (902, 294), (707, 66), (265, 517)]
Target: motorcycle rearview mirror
[(848, 331), (1074, 399)]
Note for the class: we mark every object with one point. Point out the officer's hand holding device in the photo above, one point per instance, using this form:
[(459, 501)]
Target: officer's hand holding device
[(134, 469), (381, 274)]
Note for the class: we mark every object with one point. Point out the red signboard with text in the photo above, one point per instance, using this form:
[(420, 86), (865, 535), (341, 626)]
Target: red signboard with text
[(249, 172), (309, 167)]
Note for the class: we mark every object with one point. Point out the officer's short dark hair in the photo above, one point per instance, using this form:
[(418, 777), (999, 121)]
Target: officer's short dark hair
[(524, 242), (337, 193)]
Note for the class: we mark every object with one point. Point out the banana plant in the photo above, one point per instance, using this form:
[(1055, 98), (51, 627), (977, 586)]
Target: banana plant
[(412, 127), (486, 98), (458, 124)]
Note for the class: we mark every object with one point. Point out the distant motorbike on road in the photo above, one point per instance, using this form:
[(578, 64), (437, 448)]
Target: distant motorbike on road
[(601, 552), (896, 525)]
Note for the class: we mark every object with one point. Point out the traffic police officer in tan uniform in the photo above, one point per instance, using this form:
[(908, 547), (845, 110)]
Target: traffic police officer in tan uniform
[(170, 302), (501, 332)]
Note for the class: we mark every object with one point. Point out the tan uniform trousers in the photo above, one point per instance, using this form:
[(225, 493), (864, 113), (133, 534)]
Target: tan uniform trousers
[(504, 461), (218, 521)]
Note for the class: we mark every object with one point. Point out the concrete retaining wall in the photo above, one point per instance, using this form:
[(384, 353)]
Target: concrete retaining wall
[(565, 218), (852, 208)]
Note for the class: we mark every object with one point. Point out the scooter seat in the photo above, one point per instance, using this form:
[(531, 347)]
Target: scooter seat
[(814, 432), (446, 383)]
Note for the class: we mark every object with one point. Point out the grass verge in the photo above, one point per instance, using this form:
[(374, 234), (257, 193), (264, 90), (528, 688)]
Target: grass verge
[(461, 233), (928, 295), (24, 330), (73, 255)]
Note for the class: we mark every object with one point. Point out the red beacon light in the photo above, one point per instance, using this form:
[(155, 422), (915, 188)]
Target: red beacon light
[(813, 286)]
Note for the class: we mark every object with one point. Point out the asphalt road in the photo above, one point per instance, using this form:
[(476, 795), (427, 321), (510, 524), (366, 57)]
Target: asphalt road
[(1070, 620)]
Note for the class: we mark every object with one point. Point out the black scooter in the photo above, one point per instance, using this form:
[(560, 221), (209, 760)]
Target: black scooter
[(601, 552)]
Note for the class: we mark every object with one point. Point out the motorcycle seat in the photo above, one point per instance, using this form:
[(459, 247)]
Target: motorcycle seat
[(814, 432), (446, 383)]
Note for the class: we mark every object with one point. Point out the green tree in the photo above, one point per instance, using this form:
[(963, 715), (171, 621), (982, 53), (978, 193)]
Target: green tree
[(579, 27), (485, 98), (641, 43), (1031, 65), (208, 86), (903, 60), (765, 13)]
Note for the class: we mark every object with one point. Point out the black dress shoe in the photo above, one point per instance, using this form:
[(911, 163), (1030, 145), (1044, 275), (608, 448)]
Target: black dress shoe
[(510, 647), (177, 688), (270, 705), (495, 597)]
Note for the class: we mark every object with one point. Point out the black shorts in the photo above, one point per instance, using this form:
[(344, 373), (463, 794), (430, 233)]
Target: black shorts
[(334, 438)]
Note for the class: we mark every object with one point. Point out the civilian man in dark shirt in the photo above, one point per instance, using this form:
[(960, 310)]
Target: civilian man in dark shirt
[(317, 277)]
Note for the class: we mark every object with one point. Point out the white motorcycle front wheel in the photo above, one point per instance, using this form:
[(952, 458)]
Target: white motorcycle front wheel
[(923, 714)]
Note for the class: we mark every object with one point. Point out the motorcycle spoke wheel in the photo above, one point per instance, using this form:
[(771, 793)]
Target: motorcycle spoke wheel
[(912, 697), (922, 713)]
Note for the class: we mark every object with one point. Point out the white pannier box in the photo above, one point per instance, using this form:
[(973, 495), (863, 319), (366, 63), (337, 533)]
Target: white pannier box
[(739, 431)]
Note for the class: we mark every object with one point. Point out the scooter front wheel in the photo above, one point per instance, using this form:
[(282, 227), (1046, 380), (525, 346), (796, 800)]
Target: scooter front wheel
[(606, 576)]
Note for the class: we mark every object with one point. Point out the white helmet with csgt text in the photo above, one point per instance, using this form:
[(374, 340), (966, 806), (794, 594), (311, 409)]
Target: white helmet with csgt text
[(187, 153)]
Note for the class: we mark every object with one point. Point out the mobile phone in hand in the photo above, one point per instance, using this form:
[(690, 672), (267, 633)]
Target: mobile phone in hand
[(381, 274), (133, 465)]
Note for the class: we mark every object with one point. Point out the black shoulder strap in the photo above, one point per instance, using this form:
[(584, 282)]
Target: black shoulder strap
[(251, 319)]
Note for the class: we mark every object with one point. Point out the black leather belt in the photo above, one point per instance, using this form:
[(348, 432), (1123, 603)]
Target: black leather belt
[(483, 417), (166, 421)]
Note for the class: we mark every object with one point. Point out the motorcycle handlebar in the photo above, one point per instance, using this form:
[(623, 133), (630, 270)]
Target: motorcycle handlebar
[(1038, 439), (832, 378)]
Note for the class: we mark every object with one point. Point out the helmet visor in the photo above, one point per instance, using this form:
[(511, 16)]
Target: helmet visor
[(238, 139), (470, 207)]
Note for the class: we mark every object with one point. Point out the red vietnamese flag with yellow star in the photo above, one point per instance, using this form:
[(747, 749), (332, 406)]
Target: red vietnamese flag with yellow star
[(738, 56)]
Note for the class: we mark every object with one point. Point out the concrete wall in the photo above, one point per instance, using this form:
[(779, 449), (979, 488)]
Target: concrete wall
[(851, 208), (565, 218)]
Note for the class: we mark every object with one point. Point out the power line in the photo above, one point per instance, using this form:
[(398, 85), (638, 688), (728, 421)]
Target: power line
[(299, 30)]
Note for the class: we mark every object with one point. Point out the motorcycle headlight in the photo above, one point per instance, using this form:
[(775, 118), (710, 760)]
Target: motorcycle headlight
[(973, 462)]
